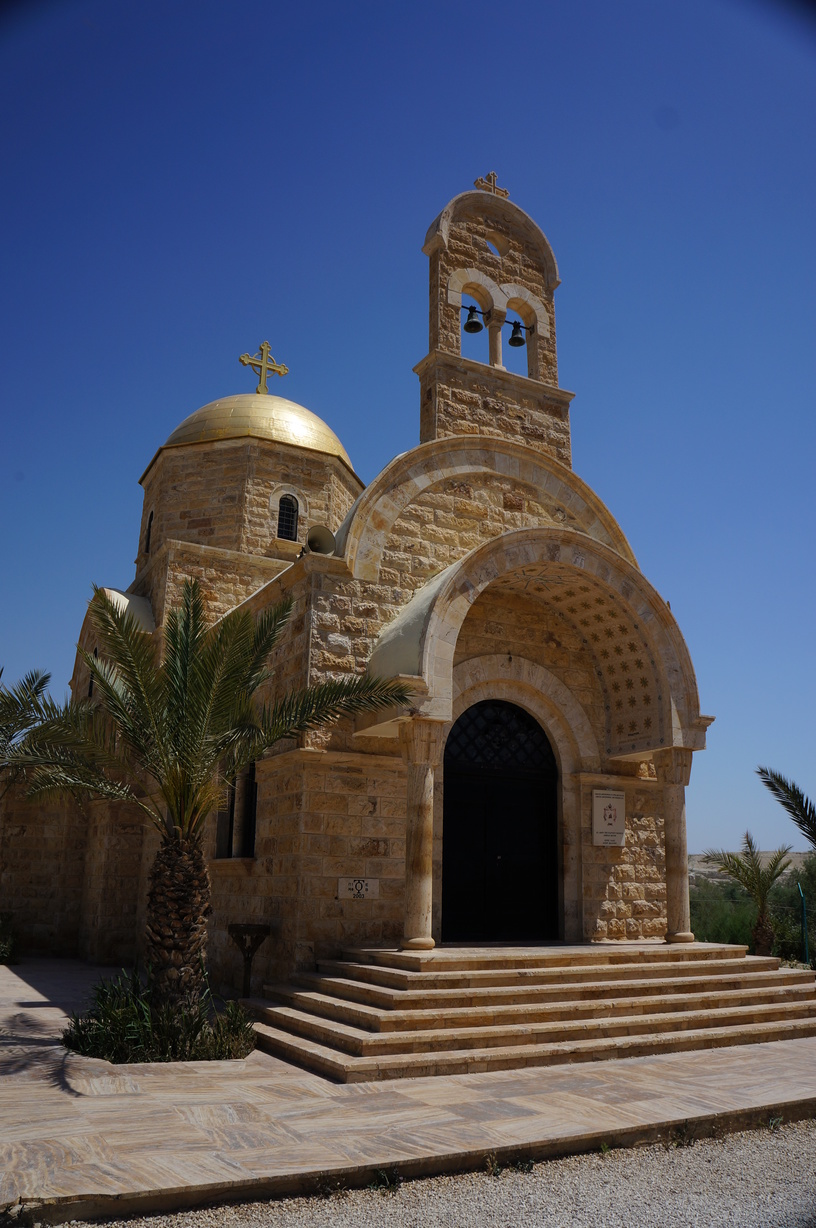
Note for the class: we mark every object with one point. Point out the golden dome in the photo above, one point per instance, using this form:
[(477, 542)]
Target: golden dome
[(263, 417)]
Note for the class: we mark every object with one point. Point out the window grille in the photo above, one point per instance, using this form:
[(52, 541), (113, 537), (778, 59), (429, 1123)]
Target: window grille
[(496, 735), (288, 518)]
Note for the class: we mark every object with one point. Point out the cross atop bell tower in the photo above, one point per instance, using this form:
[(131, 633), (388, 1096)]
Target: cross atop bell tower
[(490, 184), (486, 248)]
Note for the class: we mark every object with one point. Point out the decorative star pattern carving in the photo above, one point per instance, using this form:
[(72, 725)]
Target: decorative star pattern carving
[(622, 659)]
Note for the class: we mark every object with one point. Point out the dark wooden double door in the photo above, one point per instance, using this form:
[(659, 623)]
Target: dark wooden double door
[(500, 837)]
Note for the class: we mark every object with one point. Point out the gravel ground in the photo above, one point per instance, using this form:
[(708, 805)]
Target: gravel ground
[(760, 1179)]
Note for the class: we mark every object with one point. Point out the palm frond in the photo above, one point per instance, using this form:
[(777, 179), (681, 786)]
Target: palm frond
[(800, 808), (267, 631), (21, 707), (131, 651), (163, 730), (312, 707), (746, 868)]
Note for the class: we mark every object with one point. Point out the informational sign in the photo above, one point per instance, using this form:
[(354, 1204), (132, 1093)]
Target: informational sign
[(608, 817), (358, 888)]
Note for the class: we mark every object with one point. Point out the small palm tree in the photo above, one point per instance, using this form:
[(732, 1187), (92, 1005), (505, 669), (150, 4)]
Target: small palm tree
[(167, 731), (746, 868), (800, 808)]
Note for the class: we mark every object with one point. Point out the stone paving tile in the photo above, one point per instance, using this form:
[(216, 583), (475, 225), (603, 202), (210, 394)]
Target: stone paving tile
[(74, 1127)]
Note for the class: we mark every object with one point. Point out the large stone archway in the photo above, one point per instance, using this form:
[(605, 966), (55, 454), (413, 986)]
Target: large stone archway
[(639, 661)]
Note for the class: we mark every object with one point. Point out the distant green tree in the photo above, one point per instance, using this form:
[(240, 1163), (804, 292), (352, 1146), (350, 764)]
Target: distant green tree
[(786, 911), (721, 912), (746, 869)]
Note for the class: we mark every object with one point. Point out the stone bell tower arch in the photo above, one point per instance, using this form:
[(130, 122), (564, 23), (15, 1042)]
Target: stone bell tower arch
[(484, 246)]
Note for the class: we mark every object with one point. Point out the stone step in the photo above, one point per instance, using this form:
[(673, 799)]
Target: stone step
[(399, 978), (389, 1014), (374, 1019), (453, 959), (362, 1043), (347, 1068), (366, 994)]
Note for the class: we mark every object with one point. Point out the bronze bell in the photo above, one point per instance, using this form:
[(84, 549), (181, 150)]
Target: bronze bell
[(517, 337), (472, 323)]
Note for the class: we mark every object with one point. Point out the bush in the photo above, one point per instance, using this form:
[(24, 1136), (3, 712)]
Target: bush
[(123, 1024), (786, 912), (8, 943), (721, 912)]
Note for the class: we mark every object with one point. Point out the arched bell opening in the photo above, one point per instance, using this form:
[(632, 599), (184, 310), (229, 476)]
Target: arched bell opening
[(500, 828), (474, 339)]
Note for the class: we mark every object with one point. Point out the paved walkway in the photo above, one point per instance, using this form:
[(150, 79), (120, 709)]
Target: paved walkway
[(79, 1137)]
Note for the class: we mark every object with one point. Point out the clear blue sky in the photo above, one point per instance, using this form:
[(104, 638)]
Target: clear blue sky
[(186, 178)]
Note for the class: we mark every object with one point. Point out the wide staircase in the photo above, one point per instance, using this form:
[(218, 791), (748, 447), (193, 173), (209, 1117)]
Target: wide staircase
[(377, 1014)]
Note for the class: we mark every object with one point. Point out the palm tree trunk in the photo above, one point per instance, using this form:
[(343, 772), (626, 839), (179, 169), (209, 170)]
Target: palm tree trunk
[(178, 905), (763, 935)]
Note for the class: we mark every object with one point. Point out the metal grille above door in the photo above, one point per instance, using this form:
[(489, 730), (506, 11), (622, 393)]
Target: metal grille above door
[(498, 735)]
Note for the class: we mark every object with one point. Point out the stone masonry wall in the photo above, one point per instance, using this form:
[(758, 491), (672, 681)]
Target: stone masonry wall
[(227, 577), (108, 931), (462, 397), (445, 522), (624, 889), (321, 816), (223, 494), (42, 864), (324, 487)]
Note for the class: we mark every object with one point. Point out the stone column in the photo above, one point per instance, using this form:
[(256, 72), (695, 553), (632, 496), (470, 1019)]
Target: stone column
[(673, 767), (494, 327), (421, 746)]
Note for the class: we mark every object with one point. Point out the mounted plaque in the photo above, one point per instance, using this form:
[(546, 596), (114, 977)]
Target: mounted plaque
[(358, 888), (609, 817)]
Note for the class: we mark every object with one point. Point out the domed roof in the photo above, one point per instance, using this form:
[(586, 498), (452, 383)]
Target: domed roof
[(263, 417)]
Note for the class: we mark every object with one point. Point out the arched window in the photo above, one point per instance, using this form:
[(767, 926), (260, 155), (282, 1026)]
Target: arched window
[(148, 533), (288, 518)]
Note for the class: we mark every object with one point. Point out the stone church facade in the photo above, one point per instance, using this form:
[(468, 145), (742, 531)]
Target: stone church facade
[(547, 673)]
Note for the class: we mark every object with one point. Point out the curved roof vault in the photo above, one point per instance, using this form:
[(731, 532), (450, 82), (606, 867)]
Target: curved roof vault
[(363, 534), (139, 608), (637, 651)]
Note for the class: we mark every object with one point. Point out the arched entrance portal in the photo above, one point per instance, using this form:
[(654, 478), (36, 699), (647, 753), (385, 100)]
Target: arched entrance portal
[(500, 837)]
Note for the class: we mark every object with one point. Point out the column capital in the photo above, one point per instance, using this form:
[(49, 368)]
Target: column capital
[(673, 765), (421, 740)]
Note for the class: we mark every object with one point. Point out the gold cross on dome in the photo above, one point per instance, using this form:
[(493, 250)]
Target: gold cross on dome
[(263, 365), (490, 184)]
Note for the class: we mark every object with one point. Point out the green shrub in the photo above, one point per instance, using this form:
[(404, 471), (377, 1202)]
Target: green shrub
[(787, 927), (8, 942), (786, 912), (123, 1024), (721, 912)]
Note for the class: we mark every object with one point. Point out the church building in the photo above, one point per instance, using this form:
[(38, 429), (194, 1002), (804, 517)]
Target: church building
[(532, 791)]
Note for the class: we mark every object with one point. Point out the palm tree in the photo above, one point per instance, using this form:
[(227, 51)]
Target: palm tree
[(167, 731), (800, 808), (22, 709), (746, 868)]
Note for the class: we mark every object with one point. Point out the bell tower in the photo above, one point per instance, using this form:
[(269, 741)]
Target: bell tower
[(483, 246)]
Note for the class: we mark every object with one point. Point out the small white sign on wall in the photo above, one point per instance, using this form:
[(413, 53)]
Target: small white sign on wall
[(358, 888), (609, 817)]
